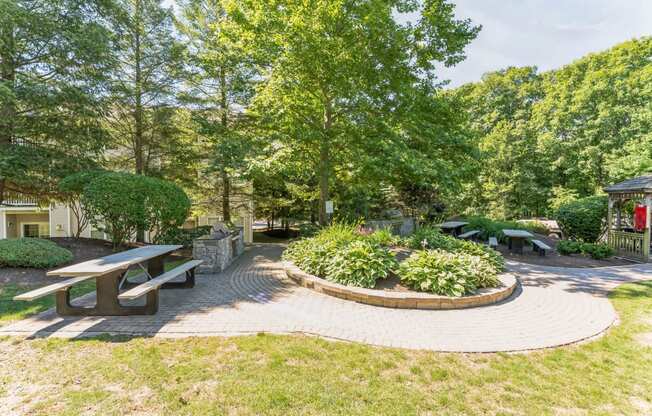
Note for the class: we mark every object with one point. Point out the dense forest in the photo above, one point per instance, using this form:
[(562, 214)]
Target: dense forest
[(295, 105), (545, 138)]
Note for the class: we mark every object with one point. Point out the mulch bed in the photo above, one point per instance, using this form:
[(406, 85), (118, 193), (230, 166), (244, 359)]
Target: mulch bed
[(554, 259)]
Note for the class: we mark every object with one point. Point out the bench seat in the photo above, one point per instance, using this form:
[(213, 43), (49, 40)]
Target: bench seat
[(493, 242), (50, 289), (158, 281), (469, 234), (540, 247)]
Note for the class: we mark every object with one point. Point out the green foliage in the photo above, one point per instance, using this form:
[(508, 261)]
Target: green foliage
[(308, 229), (383, 237), (548, 138), (352, 89), (447, 273), (121, 204), (567, 247), (596, 251), (583, 219), (32, 252), (360, 263), (182, 236), (493, 228), (432, 238), (53, 56), (339, 254)]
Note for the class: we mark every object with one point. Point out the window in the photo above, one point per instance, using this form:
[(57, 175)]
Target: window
[(36, 230)]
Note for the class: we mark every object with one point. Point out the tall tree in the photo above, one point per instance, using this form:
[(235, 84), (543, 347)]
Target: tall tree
[(53, 55), (220, 81), (341, 76), (143, 84)]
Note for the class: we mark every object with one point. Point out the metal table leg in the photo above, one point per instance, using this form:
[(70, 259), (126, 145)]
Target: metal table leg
[(107, 304)]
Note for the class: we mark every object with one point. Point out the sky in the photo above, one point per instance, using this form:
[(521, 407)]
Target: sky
[(544, 33), (547, 34)]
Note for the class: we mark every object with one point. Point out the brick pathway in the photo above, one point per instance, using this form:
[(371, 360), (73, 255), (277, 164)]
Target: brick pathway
[(555, 307)]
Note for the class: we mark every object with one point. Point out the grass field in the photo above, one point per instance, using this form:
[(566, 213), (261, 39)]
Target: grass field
[(298, 375)]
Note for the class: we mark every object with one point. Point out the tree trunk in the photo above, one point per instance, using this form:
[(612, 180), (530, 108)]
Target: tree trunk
[(226, 196), (226, 184), (324, 163), (138, 109), (8, 109)]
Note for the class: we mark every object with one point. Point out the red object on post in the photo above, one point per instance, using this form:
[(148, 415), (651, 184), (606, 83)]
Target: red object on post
[(640, 214)]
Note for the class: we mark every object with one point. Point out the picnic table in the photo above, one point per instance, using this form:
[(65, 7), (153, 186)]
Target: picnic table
[(516, 239), (453, 227), (110, 274)]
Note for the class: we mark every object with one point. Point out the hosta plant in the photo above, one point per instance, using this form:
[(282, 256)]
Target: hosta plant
[(447, 273), (360, 263)]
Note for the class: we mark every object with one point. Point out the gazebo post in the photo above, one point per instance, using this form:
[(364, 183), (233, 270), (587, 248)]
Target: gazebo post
[(646, 235)]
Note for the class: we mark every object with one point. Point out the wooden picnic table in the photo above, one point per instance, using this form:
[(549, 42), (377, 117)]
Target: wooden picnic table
[(516, 238), (110, 275), (453, 227)]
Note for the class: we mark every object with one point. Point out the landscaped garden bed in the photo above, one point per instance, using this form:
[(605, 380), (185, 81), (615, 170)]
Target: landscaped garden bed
[(431, 271)]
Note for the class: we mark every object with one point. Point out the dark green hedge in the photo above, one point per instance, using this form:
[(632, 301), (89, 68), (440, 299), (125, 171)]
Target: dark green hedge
[(583, 219), (32, 252)]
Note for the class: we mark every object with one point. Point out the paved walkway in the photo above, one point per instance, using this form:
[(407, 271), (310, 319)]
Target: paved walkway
[(555, 307)]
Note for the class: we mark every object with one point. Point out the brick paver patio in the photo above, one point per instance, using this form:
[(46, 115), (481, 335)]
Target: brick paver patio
[(555, 307)]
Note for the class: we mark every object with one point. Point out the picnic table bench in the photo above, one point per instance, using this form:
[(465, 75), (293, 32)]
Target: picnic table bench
[(110, 274), (516, 238), (453, 227), (469, 235), (540, 247)]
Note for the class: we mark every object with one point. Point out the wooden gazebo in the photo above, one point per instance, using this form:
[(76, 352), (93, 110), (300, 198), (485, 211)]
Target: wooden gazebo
[(621, 235)]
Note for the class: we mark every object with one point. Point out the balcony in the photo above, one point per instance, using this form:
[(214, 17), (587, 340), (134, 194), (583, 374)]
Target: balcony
[(20, 202)]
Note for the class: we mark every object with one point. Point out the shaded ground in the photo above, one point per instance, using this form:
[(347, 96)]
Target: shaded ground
[(554, 259), (263, 236)]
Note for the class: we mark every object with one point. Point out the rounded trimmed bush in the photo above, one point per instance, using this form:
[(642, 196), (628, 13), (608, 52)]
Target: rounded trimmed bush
[(32, 252), (583, 219), (447, 273)]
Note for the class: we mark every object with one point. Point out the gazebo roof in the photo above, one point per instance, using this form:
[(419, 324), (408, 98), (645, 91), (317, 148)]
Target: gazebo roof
[(639, 184)]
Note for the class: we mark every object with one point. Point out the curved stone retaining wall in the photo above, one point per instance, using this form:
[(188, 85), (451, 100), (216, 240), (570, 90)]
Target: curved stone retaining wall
[(403, 300)]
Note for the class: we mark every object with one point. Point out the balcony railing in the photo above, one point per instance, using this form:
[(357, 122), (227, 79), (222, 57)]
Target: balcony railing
[(20, 202)]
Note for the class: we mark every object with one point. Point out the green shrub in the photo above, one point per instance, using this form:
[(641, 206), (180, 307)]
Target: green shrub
[(32, 252), (597, 251), (312, 254), (360, 263), (447, 273), (340, 254), (182, 236), (583, 219), (493, 228), (567, 247), (308, 229), (432, 238), (488, 254), (122, 203), (383, 237)]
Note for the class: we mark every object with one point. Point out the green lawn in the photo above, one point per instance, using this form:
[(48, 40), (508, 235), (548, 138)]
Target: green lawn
[(11, 310), (299, 375)]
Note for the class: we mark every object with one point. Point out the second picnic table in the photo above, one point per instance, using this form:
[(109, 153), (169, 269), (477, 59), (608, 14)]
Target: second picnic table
[(453, 227), (516, 239)]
